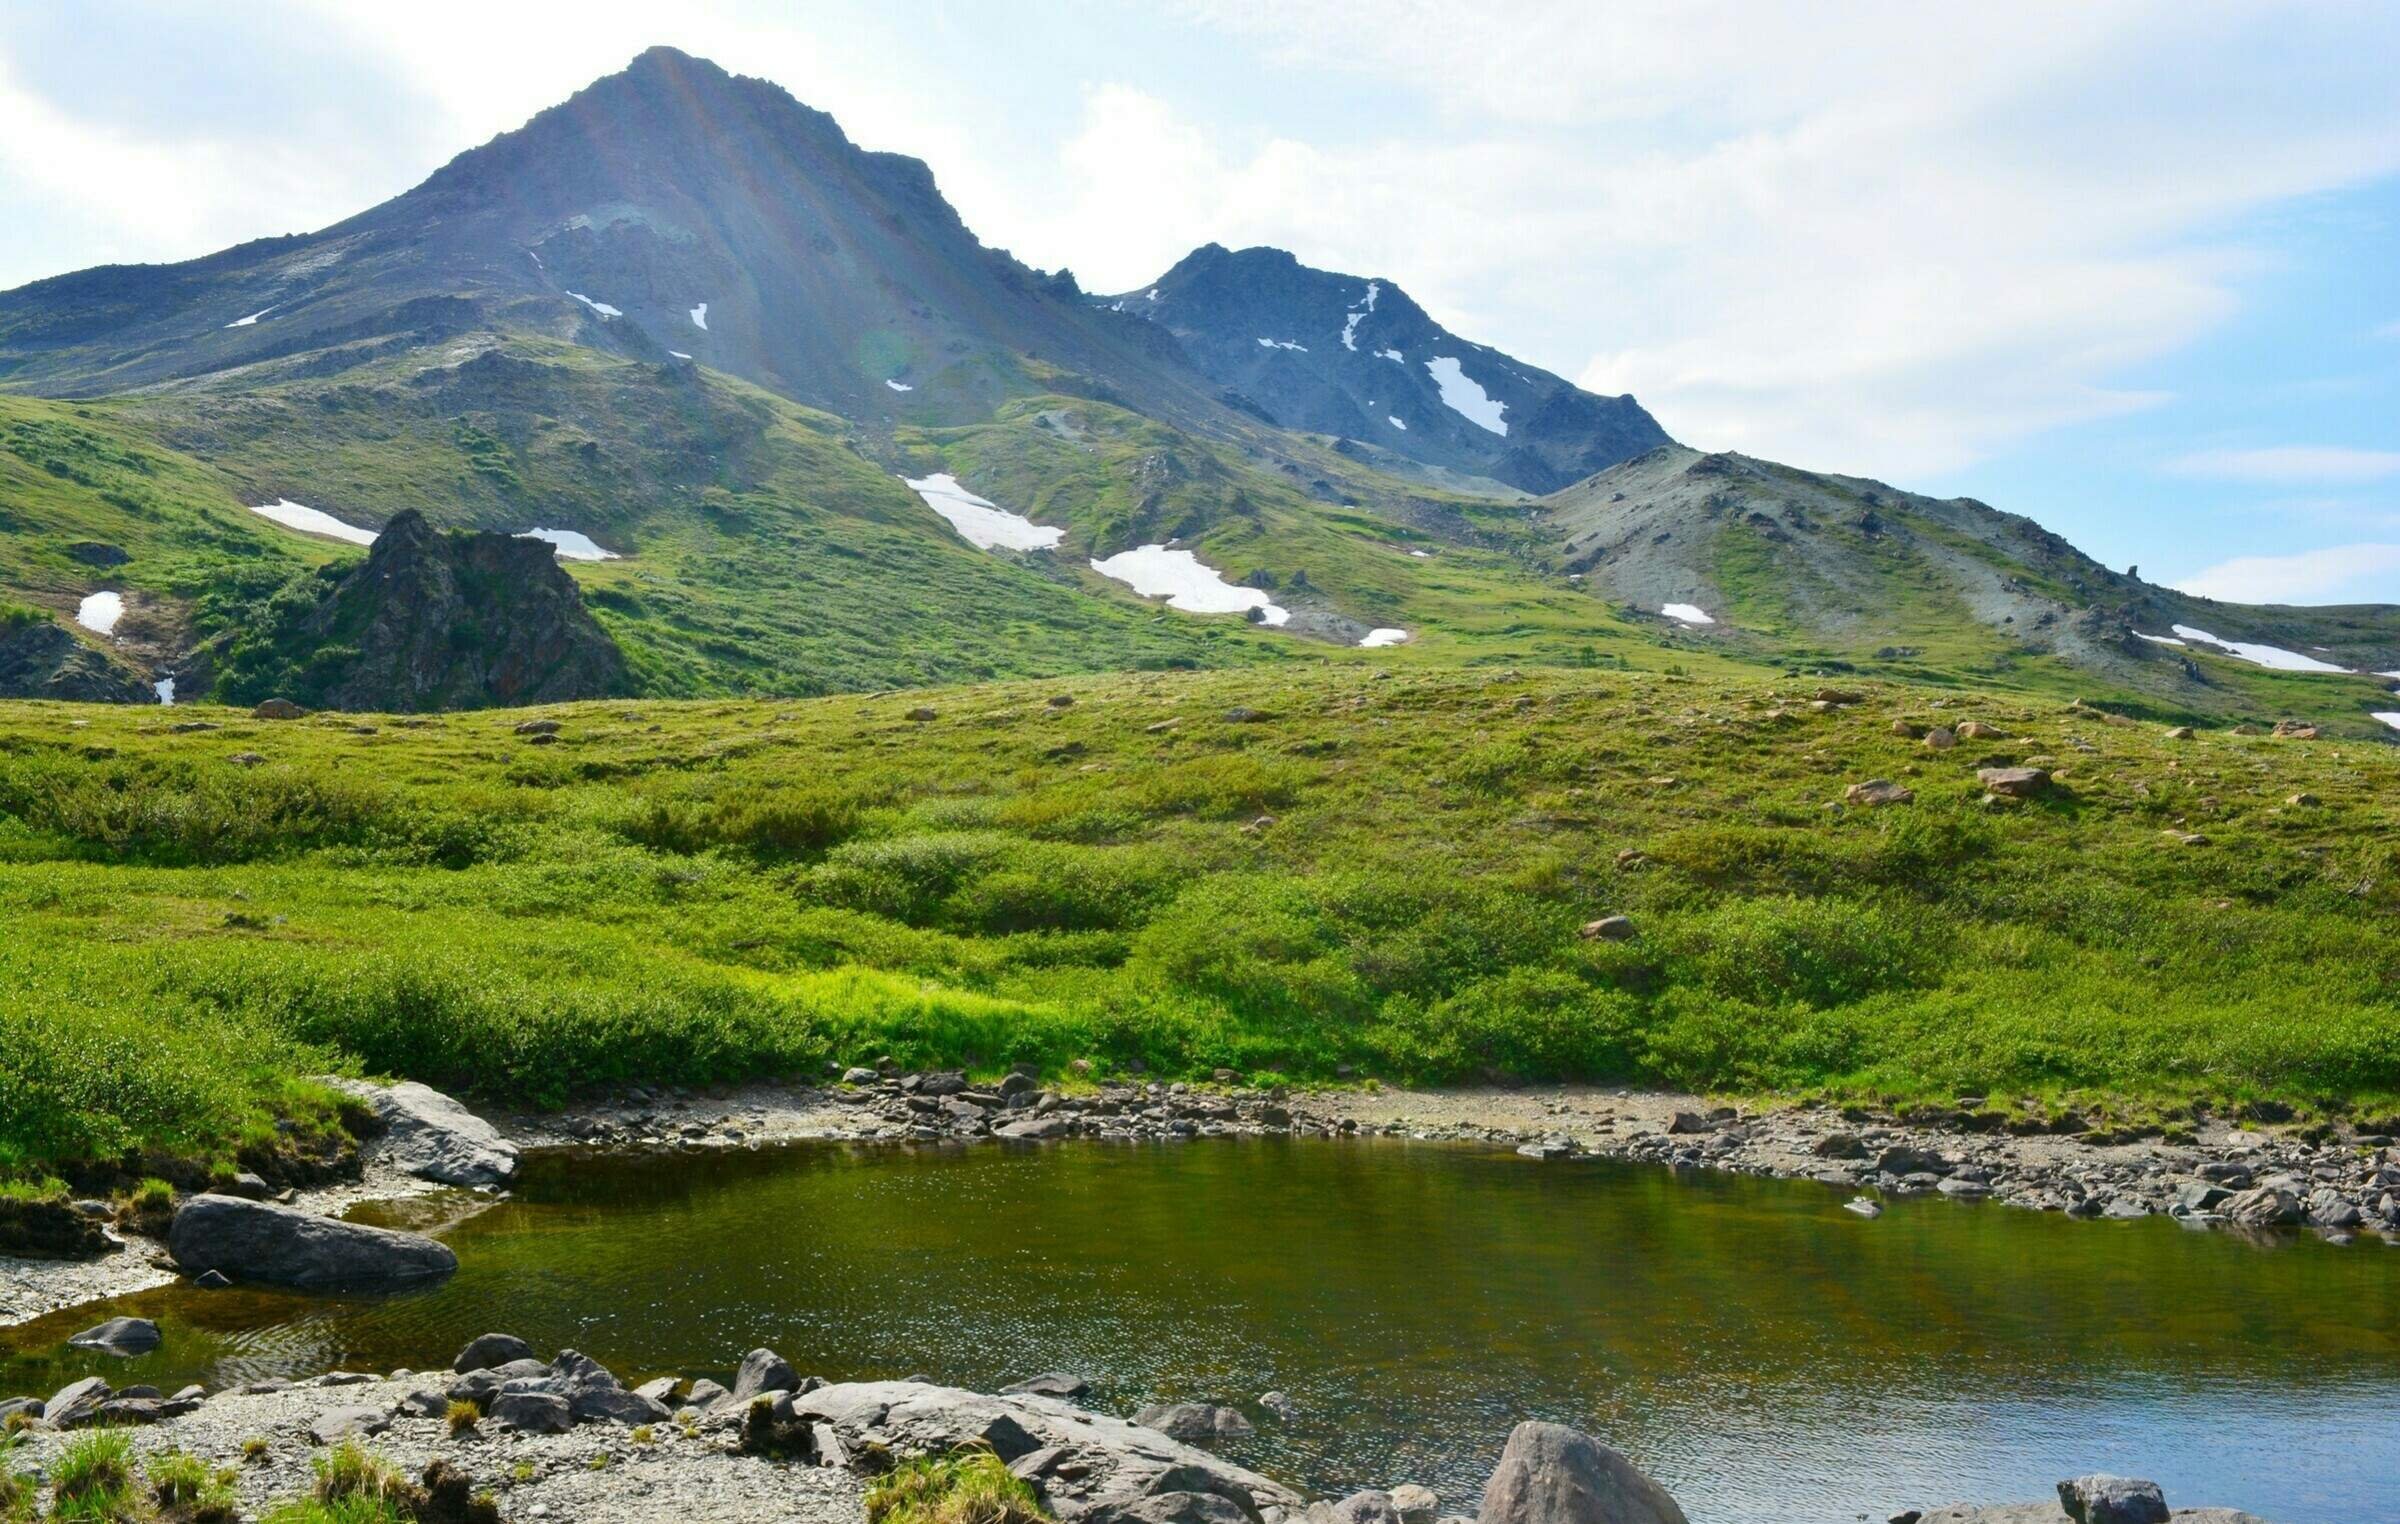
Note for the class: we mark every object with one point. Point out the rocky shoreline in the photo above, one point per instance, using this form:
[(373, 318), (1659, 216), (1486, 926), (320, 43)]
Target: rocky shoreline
[(2253, 1179), (2215, 1173), (565, 1439)]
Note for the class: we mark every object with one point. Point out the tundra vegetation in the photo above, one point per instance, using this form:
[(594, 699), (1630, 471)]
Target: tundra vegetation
[(1302, 876)]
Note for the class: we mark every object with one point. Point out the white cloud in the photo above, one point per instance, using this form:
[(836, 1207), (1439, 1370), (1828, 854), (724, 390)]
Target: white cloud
[(2336, 574), (1885, 236), (2388, 331), (2286, 464)]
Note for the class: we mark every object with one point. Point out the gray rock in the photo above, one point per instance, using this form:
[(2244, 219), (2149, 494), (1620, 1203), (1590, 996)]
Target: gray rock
[(2104, 1499), (1551, 1474), (705, 1394), (2263, 1206), (1194, 1422), (763, 1370), (1035, 1129), (616, 1405), (120, 1336), (121, 1411), (31, 1407), (1113, 1464), (1370, 1507), (1167, 1508), (336, 1424), (433, 1137), (212, 1280), (425, 1404), (535, 1412), (1049, 1384), (1280, 1404), (1033, 1465), (283, 1246), (491, 1350), (2200, 1196), (661, 1391), (1902, 1159), (1415, 1504), (77, 1403)]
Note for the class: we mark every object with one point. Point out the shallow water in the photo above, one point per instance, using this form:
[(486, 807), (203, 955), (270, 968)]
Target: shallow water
[(1764, 1353)]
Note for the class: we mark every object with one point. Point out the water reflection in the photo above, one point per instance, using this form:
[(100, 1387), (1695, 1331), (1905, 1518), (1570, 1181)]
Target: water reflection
[(1766, 1354)]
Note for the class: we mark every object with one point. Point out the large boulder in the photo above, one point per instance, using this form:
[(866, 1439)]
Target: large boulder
[(120, 1336), (1551, 1474), (763, 1370), (534, 1412), (490, 1350), (283, 1246), (431, 1136), (1120, 1470), (77, 1403)]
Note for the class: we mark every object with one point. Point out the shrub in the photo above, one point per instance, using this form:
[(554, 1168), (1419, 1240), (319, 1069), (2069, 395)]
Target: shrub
[(969, 1487), (463, 1415), (93, 1476)]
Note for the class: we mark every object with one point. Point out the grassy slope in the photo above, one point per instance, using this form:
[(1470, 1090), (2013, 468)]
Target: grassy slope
[(705, 891), (765, 552)]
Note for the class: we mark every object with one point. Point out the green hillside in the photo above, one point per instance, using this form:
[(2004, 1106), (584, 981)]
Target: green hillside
[(1382, 863)]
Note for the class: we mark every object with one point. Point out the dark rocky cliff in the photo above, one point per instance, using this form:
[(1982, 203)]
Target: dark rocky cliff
[(438, 621)]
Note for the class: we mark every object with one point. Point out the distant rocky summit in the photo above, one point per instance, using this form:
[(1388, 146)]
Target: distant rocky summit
[(432, 621)]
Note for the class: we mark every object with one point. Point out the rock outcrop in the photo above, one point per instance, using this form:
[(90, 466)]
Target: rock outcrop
[(437, 621), (42, 659), (283, 1246)]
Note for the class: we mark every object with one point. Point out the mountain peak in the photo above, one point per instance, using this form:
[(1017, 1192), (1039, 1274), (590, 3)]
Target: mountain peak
[(1354, 356)]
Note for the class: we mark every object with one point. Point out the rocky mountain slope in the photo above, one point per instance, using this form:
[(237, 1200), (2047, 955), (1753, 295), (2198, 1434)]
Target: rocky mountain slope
[(781, 386), (669, 211), (1357, 358), (1805, 567), (430, 621)]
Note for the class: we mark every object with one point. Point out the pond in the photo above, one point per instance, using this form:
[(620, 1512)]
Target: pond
[(1765, 1354)]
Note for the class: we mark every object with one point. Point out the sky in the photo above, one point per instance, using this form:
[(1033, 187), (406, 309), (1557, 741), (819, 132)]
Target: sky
[(2130, 267)]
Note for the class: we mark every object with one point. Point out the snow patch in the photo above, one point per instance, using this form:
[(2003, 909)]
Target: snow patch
[(2390, 717), (1393, 355), (981, 523), (678, 354), (1357, 312), (603, 308), (308, 520), (1687, 613), (1282, 344), (899, 386), (245, 322), (99, 612), (165, 689), (1156, 571), (1394, 421), (571, 544), (1462, 396), (1376, 638), (2259, 655), (1150, 295), (1421, 554), (700, 317), (2157, 640)]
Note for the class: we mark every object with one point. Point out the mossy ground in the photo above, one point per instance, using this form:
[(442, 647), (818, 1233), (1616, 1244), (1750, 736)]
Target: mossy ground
[(1383, 866)]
